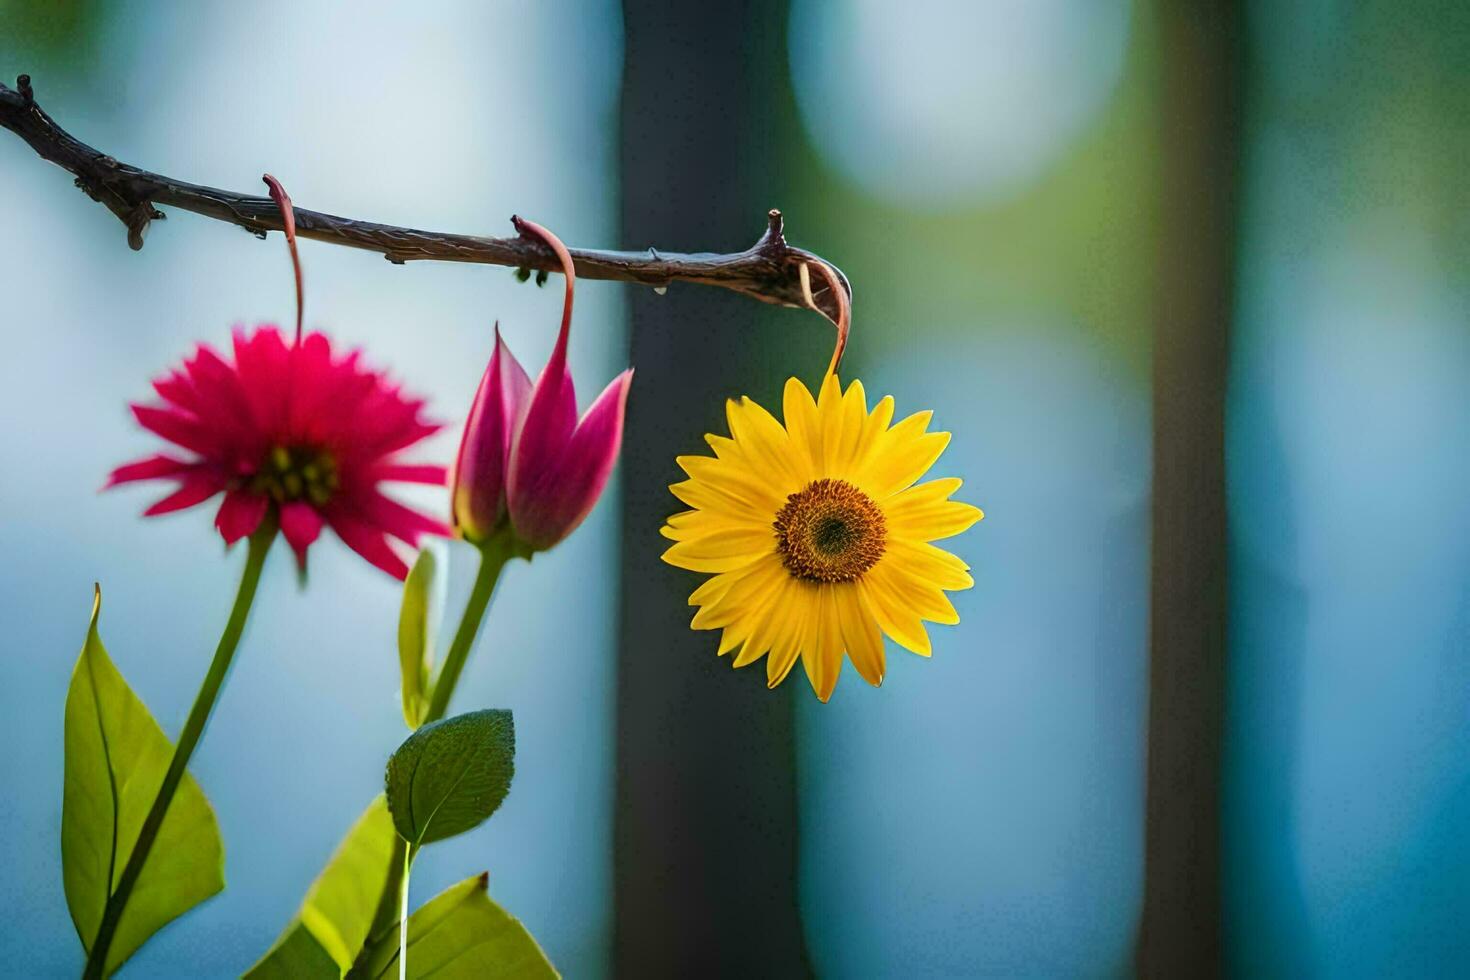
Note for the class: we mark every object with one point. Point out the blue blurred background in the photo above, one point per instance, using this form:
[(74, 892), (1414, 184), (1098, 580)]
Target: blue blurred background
[(987, 176)]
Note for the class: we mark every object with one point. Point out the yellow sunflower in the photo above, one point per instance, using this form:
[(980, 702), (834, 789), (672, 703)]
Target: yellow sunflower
[(817, 534)]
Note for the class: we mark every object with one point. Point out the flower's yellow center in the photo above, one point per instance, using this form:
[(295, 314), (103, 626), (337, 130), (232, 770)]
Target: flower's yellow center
[(830, 531), (297, 473)]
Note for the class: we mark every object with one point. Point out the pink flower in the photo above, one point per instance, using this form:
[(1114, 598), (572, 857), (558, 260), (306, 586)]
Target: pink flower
[(526, 458), (293, 432)]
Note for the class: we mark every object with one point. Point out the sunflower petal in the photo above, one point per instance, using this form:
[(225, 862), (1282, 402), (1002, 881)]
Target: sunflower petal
[(742, 482), (924, 513), (702, 496), (854, 412), (800, 413), (723, 551), (875, 426), (764, 444), (929, 564), (791, 628), (732, 637), (906, 454), (895, 619), (860, 633), (823, 658), (925, 599), (743, 597), (689, 524), (829, 419)]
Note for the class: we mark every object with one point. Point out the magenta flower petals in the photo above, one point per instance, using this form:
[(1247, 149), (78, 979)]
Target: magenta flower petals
[(552, 502), (300, 526), (434, 476), (477, 502), (197, 487), (525, 457), (551, 417), (294, 430), (152, 468), (404, 523), (240, 514), (369, 542), (177, 427), (262, 362)]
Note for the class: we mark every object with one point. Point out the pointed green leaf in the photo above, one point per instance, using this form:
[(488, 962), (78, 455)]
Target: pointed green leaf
[(115, 760), (332, 924), (416, 638), (462, 935), (296, 956), (449, 776)]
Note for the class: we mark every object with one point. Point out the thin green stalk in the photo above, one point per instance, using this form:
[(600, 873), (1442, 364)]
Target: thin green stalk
[(403, 920), (493, 557), (260, 543)]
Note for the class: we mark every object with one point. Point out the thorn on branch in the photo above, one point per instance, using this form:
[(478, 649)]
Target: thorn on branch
[(138, 221), (773, 242)]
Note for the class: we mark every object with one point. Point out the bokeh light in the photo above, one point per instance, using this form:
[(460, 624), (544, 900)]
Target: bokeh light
[(934, 104)]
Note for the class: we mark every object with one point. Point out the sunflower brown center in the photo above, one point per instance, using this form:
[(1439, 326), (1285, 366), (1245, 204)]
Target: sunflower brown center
[(830, 531), (297, 473)]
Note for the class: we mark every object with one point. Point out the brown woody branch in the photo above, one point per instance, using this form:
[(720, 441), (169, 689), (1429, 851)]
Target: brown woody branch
[(770, 270)]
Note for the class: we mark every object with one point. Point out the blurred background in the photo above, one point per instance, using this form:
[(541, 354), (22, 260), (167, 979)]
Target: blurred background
[(1155, 264)]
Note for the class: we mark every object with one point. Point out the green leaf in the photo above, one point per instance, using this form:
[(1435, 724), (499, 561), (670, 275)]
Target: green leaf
[(462, 935), (116, 757), (415, 638), (296, 956), (332, 924), (449, 776)]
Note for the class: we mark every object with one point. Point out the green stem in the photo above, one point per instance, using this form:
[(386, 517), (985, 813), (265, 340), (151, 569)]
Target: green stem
[(260, 543), (493, 556), (403, 920)]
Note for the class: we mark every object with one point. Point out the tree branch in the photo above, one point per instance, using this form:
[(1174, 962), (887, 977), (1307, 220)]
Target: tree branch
[(770, 270)]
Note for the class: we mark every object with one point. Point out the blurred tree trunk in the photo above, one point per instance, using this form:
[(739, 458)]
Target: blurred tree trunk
[(1200, 83), (705, 863)]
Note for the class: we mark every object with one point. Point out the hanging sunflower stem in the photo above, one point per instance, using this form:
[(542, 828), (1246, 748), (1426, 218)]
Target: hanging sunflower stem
[(840, 297), (204, 702), (494, 554)]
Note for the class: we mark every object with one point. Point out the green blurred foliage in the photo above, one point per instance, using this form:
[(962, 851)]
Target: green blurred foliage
[(58, 37), (1077, 246)]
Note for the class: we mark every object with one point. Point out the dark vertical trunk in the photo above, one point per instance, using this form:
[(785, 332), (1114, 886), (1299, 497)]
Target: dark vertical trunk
[(1200, 92), (705, 837)]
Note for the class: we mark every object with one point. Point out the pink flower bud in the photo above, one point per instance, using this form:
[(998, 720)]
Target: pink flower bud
[(526, 457)]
